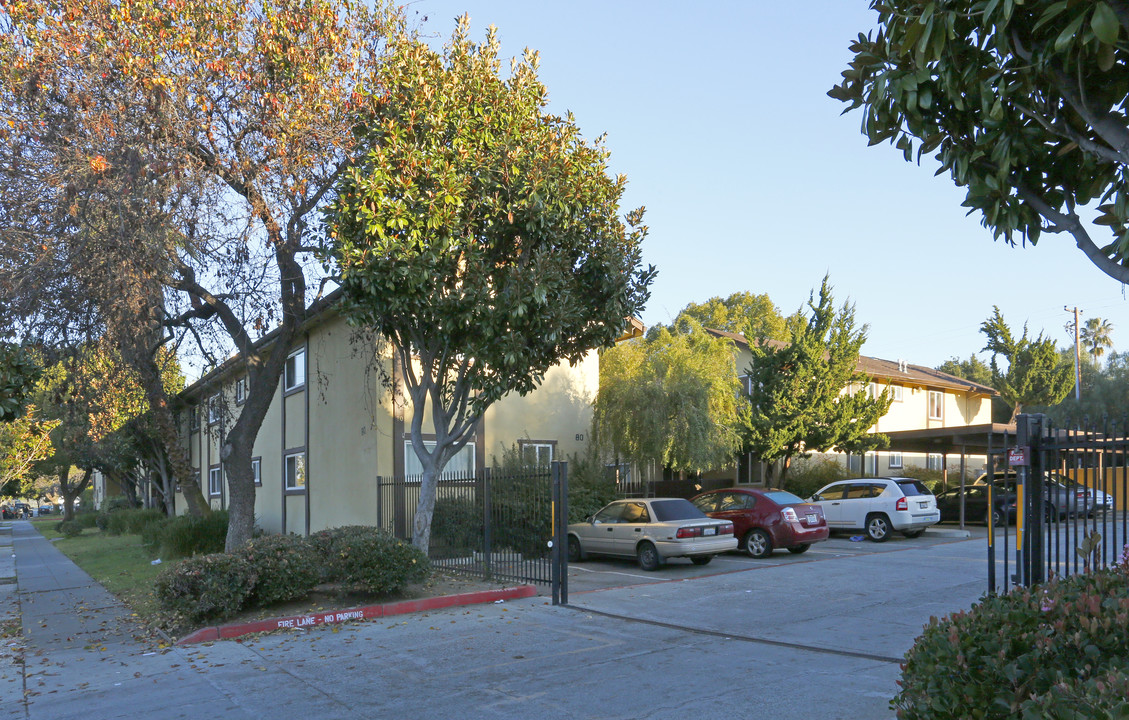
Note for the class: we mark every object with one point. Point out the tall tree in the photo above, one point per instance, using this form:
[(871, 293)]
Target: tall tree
[(807, 395), (1022, 103), (1037, 373), (481, 236), (19, 371), (1096, 337), (672, 398), (249, 109), (973, 369), (754, 316)]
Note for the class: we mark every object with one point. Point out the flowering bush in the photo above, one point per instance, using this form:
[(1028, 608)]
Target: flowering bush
[(206, 586), (1058, 651)]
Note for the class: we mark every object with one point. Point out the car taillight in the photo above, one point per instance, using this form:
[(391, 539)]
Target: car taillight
[(789, 515), (726, 529), (1080, 494), (689, 532), (903, 504)]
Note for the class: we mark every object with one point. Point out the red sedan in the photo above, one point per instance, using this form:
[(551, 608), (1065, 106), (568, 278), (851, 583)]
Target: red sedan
[(766, 519)]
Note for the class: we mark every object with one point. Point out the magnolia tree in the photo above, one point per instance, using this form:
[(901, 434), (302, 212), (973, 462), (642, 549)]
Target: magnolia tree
[(481, 236), (1022, 103)]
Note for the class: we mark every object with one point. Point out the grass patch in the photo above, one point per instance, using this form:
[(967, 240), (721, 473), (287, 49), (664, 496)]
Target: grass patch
[(120, 563)]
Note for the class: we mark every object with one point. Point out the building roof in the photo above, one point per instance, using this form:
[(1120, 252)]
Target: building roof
[(897, 371)]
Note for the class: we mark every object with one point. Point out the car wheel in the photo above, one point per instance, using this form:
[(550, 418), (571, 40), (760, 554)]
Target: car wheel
[(757, 543), (1052, 513), (913, 533), (798, 549), (648, 556), (701, 559), (574, 552), (878, 527), (994, 517)]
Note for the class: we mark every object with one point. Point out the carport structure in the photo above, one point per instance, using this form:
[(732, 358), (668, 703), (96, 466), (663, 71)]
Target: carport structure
[(964, 440)]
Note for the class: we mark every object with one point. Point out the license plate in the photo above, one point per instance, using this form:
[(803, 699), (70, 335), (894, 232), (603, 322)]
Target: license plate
[(813, 518), (709, 531), (923, 505)]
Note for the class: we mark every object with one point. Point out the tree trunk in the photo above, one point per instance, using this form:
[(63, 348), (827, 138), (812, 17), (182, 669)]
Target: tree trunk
[(71, 491), (425, 510), (241, 499)]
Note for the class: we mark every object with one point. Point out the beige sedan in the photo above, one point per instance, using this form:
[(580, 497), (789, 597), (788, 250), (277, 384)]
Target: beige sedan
[(651, 530)]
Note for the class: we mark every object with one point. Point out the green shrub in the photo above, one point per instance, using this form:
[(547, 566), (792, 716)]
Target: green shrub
[(1012, 656), (87, 519), (285, 565), (132, 521), (369, 559), (456, 527), (69, 528), (805, 477), (186, 535), (206, 586), (102, 520), (118, 502), (589, 485)]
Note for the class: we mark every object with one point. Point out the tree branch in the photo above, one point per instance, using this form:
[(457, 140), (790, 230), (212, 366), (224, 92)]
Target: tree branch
[(1104, 123), (1071, 224)]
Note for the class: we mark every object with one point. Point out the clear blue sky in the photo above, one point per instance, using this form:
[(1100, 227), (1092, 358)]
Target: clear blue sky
[(718, 115)]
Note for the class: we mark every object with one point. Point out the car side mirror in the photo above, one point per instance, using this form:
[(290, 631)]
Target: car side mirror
[(815, 498), (594, 521)]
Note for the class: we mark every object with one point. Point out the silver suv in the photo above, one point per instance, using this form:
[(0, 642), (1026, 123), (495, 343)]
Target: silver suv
[(879, 506)]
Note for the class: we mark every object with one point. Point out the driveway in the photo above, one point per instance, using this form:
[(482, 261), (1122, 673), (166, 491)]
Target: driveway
[(819, 635)]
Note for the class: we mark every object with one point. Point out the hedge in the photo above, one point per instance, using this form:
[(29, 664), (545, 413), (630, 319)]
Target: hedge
[(369, 559)]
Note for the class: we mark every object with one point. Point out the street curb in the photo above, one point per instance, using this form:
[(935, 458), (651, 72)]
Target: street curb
[(948, 532), (226, 632)]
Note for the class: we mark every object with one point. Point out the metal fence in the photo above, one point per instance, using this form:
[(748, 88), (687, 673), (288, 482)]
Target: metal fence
[(1069, 486), (494, 526)]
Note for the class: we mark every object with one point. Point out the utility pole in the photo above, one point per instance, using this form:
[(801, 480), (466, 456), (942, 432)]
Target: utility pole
[(1077, 355)]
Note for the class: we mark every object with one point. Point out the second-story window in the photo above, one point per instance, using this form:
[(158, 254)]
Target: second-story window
[(213, 409), (936, 405), (295, 370), (240, 391)]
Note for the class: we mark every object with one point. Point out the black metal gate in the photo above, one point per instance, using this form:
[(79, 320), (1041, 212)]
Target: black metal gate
[(507, 527), (1069, 487)]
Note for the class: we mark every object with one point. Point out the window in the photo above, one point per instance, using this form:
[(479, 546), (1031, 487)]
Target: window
[(295, 466), (896, 392), (536, 454), (257, 470), (193, 419), (460, 466), (935, 461), (240, 391), (610, 514), (895, 459), (295, 370), (215, 481), (213, 409), (936, 405), (635, 512)]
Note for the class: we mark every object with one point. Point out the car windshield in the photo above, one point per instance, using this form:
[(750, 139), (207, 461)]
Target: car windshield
[(667, 510), (780, 497), (913, 487)]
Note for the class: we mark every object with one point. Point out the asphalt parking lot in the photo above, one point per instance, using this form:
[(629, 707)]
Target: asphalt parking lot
[(603, 573)]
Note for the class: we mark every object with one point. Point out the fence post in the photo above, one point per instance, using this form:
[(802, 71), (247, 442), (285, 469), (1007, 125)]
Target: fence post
[(554, 525), (487, 525), (1029, 434), (561, 524)]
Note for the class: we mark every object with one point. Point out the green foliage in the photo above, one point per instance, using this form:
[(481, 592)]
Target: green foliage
[(1095, 337), (1036, 374), (369, 559), (1059, 650), (132, 521), (672, 397), (1021, 103), (102, 520), (590, 487), (807, 395), (69, 528), (812, 474), (206, 586), (87, 519), (754, 316), (932, 479), (187, 535), (457, 527), (285, 567), (19, 371), (973, 369)]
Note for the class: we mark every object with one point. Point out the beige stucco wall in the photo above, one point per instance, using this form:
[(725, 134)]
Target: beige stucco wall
[(912, 412)]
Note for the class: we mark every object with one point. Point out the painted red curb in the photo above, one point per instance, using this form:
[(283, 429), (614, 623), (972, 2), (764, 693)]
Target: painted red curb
[(226, 632)]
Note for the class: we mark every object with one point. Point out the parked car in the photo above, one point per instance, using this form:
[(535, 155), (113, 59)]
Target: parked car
[(651, 530), (7, 513), (1094, 502), (766, 519), (43, 510), (22, 509), (976, 505), (879, 506), (1061, 499)]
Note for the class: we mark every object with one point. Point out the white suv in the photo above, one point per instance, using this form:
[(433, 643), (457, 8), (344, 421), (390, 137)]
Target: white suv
[(879, 506)]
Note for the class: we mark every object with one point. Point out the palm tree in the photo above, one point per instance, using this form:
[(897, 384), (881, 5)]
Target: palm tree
[(1095, 337)]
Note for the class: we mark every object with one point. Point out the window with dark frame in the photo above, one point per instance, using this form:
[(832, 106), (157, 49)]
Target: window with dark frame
[(257, 470), (240, 391), (213, 409), (295, 471), (215, 481), (295, 375)]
